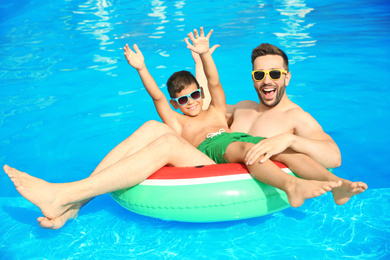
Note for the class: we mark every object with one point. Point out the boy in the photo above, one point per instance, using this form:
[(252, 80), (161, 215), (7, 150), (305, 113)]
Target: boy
[(208, 129)]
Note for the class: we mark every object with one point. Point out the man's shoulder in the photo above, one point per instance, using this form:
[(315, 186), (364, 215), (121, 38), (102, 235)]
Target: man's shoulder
[(297, 111), (300, 117), (294, 110), (247, 104)]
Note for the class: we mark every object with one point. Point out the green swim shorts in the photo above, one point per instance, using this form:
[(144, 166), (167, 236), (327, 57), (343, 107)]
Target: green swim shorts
[(215, 147)]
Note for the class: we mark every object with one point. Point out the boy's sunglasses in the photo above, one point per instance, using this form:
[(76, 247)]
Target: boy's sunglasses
[(259, 75), (183, 100)]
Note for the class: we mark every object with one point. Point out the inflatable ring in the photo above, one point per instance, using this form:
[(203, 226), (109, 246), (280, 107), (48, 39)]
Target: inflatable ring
[(208, 193)]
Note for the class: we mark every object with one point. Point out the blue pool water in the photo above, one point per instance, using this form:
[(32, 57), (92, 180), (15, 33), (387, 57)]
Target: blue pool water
[(68, 96)]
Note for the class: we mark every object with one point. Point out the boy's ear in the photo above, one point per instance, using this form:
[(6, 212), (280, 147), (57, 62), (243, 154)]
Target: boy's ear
[(201, 91), (174, 104)]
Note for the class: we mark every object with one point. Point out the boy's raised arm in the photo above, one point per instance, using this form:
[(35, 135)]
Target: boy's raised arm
[(201, 46), (201, 77), (136, 60)]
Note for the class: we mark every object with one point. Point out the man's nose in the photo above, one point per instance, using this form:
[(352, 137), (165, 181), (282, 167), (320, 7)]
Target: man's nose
[(267, 79)]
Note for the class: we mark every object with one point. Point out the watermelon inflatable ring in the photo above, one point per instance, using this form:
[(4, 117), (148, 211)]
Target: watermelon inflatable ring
[(210, 193)]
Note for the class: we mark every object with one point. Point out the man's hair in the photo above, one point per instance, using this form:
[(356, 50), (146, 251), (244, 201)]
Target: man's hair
[(179, 81), (269, 49)]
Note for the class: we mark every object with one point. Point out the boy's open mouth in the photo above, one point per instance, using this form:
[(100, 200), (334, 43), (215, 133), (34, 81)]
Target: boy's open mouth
[(192, 107)]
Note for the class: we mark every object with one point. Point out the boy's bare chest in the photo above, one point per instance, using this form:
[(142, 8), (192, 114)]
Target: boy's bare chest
[(196, 129)]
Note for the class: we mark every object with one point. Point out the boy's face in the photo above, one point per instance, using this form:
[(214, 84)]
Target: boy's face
[(192, 107)]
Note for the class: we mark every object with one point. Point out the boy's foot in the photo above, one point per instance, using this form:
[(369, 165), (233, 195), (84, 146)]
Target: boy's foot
[(301, 189), (342, 194), (42, 194)]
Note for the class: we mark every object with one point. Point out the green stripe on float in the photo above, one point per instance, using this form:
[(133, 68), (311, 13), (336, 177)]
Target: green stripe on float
[(204, 202)]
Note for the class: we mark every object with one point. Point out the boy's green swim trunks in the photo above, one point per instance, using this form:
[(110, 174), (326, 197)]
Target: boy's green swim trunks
[(215, 147)]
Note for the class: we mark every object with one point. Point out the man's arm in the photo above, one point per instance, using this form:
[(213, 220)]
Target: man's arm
[(137, 61), (324, 151), (308, 138)]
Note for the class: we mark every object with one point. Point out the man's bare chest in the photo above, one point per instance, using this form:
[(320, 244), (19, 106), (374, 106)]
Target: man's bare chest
[(261, 124)]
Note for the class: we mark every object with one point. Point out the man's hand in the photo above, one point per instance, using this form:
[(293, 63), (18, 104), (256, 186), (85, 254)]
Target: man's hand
[(135, 59), (200, 42), (268, 147)]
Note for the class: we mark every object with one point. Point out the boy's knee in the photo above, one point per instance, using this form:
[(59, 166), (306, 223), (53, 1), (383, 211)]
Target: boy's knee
[(236, 151), (245, 147)]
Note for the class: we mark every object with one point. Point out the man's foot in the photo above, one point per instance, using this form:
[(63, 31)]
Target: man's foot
[(300, 190), (42, 194), (342, 194), (59, 222)]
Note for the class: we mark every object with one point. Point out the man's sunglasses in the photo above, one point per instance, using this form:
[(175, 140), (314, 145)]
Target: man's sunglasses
[(183, 100), (259, 75)]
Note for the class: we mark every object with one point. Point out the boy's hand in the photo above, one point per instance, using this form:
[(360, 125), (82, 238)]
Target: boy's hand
[(196, 56), (200, 42), (135, 59)]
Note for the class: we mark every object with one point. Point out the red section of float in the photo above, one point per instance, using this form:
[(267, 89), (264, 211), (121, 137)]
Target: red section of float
[(215, 170)]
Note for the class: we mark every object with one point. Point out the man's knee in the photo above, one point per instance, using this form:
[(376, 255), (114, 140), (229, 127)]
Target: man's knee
[(153, 125), (168, 141)]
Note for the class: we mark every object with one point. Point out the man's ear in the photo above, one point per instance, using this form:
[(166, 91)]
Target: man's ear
[(174, 104), (201, 91), (287, 79)]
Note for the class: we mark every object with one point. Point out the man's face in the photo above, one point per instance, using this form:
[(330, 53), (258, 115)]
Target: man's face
[(270, 91)]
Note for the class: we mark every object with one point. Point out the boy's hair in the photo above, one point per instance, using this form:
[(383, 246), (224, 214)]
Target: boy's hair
[(179, 81), (269, 49)]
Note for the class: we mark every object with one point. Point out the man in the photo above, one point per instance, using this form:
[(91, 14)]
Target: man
[(285, 124)]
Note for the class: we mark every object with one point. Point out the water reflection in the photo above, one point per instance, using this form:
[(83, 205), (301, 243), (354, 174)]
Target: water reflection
[(296, 31), (158, 11), (97, 22), (179, 5)]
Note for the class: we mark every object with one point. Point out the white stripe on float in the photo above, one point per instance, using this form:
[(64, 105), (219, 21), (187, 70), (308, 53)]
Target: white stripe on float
[(203, 180)]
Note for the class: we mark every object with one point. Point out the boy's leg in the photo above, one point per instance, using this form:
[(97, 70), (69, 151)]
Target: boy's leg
[(297, 190), (55, 199), (307, 168)]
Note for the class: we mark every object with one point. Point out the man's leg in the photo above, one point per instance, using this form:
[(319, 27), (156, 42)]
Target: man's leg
[(144, 135), (55, 199)]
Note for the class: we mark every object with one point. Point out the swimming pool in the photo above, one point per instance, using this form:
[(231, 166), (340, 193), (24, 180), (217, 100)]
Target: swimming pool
[(68, 96)]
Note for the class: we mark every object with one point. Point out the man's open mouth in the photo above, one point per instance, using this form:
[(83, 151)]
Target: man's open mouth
[(269, 92)]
